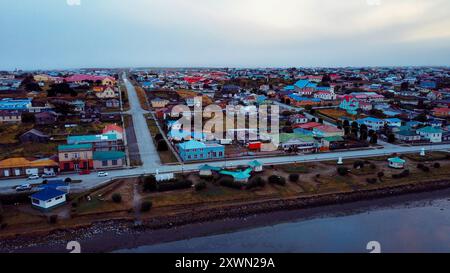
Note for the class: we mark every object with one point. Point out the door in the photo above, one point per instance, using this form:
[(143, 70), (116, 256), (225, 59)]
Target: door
[(6, 172)]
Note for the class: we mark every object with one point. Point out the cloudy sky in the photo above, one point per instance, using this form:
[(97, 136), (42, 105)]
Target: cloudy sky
[(49, 34)]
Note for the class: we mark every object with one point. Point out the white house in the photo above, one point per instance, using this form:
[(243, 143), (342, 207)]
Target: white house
[(48, 198), (430, 133), (256, 166), (393, 122), (396, 163)]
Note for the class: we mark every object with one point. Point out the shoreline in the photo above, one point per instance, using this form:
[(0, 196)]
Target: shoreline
[(113, 235)]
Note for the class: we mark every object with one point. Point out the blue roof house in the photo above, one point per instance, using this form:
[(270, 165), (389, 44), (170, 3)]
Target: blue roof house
[(15, 104), (196, 150), (48, 198), (372, 123)]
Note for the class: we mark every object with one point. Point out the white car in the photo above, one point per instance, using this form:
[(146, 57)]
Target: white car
[(24, 187), (33, 177), (102, 174)]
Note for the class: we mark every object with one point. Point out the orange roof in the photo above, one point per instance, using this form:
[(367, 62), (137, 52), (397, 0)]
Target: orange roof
[(112, 127), (19, 162)]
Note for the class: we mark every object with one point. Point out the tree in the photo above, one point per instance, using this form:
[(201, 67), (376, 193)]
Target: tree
[(146, 206), (28, 117), (342, 171), (150, 183), (391, 138), (32, 86), (116, 198), (363, 135), (374, 139), (158, 137), (321, 120), (61, 88), (162, 146), (293, 177), (200, 186), (380, 175)]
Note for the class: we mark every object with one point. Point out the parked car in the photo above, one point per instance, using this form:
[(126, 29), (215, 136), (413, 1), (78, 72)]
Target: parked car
[(84, 172), (24, 187), (102, 174), (33, 177), (48, 175)]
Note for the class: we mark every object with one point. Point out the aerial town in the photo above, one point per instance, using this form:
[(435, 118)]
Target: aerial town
[(84, 145)]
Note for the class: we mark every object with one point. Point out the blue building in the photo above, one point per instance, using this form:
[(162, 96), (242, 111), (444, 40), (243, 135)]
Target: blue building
[(15, 104), (196, 150)]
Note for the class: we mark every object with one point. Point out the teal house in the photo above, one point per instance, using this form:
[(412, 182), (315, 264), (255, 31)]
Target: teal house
[(196, 150), (349, 104)]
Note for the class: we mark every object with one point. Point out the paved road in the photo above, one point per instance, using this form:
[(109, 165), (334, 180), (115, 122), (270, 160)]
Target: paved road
[(147, 149)]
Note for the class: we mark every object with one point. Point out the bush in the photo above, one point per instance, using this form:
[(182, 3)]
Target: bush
[(256, 182), (74, 204), (116, 198), (342, 171), (53, 219), (403, 174), (420, 166), (158, 137), (358, 165), (146, 206), (229, 182), (3, 226), (278, 180), (380, 174), (162, 146), (371, 180), (45, 181), (200, 186), (149, 183), (175, 184), (68, 180), (437, 165), (293, 177), (373, 166), (426, 169)]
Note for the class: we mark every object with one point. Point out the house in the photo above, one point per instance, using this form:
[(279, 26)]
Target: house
[(105, 92), (15, 104), (207, 170), (349, 104), (256, 166), (371, 123), (75, 157), (19, 166), (102, 142), (10, 116), (301, 143), (109, 159), (441, 112), (393, 122), (332, 142), (327, 131), (113, 129), (407, 136), (46, 118), (196, 150), (78, 105), (238, 176), (298, 119), (34, 136), (325, 95), (48, 198), (300, 101), (431, 134), (112, 103), (159, 103), (396, 163)]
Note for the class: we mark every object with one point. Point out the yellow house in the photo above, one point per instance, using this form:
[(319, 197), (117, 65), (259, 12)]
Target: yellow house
[(19, 166), (105, 92), (41, 78), (159, 103), (108, 81)]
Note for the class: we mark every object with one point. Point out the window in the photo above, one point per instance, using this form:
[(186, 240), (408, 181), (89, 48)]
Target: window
[(114, 163), (104, 163), (35, 201), (59, 197), (66, 156)]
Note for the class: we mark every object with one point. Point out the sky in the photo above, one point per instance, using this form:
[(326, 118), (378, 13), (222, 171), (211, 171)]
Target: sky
[(60, 34)]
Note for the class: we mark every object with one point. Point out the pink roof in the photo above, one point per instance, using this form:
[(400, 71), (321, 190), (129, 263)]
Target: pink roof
[(82, 77), (328, 129), (308, 125)]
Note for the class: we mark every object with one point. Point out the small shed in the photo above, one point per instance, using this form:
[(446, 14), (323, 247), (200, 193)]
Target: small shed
[(396, 163), (48, 198), (256, 166), (206, 170)]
